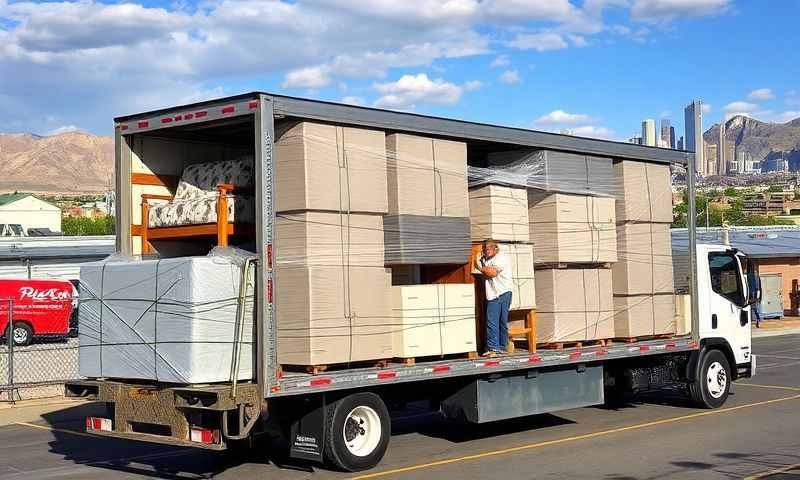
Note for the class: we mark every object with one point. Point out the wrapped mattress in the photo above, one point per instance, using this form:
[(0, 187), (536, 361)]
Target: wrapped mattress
[(170, 320)]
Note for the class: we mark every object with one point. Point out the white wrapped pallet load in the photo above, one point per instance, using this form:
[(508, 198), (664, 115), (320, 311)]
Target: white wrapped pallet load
[(643, 192), (499, 212), (574, 304), (170, 320), (645, 259)]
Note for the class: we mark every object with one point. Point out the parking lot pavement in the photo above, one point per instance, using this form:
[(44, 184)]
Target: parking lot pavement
[(651, 437)]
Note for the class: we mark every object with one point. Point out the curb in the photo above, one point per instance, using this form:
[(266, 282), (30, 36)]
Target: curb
[(762, 333), (40, 402)]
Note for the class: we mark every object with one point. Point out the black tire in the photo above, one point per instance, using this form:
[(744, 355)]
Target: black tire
[(20, 328), (341, 425), (707, 392)]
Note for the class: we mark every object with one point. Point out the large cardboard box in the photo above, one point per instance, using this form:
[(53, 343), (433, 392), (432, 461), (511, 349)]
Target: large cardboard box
[(426, 176), (329, 239), (499, 212), (643, 191), (643, 315), (426, 240), (523, 292), (568, 228), (434, 319), (645, 259), (555, 171), (573, 304), (333, 314), (328, 167)]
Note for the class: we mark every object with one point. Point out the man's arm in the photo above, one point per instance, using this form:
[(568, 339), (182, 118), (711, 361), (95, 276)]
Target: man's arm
[(490, 272)]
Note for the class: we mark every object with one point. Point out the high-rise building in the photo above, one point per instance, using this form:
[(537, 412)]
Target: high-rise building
[(693, 116), (680, 144), (649, 133), (712, 160), (635, 139), (672, 137), (666, 125), (721, 149)]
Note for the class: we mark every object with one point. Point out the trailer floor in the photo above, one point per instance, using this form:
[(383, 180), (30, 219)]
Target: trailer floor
[(755, 433)]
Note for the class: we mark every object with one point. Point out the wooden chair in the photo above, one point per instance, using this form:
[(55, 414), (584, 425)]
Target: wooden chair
[(528, 331), (212, 200)]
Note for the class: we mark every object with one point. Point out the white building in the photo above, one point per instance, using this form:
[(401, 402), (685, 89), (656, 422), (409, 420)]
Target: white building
[(30, 212), (693, 116), (649, 132)]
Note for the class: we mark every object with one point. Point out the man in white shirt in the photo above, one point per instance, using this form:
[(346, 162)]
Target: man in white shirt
[(496, 269)]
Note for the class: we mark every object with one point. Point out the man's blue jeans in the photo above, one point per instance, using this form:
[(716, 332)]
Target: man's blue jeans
[(497, 322)]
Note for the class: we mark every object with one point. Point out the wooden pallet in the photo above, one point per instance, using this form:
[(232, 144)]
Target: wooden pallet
[(643, 338), (411, 361), (317, 369), (567, 265), (559, 345)]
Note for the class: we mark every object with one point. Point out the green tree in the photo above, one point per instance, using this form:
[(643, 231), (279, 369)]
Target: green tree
[(731, 192), (72, 226), (775, 189)]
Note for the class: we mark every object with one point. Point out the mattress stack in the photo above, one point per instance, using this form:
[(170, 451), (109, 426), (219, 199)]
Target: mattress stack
[(643, 276), (172, 320), (334, 293)]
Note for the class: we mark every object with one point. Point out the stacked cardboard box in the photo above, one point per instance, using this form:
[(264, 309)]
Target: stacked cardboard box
[(523, 290), (643, 277), (574, 304), (428, 221), (433, 319), (499, 212), (334, 292), (568, 228), (328, 167)]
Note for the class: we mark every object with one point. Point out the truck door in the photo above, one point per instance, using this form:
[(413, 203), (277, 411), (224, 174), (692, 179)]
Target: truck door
[(730, 319)]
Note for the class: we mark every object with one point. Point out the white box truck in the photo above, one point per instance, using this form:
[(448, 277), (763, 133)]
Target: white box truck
[(342, 416)]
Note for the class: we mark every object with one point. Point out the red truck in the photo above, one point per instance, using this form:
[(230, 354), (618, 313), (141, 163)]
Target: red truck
[(41, 308)]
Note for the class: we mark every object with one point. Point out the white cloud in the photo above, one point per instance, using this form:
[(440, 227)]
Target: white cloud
[(310, 77), (705, 107), (63, 129), (411, 90), (540, 42), (353, 100), (761, 94), (578, 40), (668, 10), (739, 107), (593, 132), (772, 116), (560, 117), (500, 61), (509, 77), (529, 10)]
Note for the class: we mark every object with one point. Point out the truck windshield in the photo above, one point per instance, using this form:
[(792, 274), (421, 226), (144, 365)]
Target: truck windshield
[(725, 278)]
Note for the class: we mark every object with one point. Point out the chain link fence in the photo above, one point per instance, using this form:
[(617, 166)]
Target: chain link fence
[(37, 370)]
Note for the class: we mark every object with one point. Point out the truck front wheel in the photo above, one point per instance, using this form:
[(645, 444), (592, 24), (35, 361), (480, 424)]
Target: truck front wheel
[(713, 383), (359, 428), (22, 334)]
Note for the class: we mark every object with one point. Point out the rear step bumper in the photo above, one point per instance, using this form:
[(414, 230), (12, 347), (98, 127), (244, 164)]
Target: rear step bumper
[(170, 414)]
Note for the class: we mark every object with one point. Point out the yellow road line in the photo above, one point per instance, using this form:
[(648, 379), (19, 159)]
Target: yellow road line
[(772, 472), (559, 441), (59, 430), (778, 387)]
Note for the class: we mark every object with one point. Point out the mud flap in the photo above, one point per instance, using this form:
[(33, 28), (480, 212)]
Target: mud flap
[(307, 433)]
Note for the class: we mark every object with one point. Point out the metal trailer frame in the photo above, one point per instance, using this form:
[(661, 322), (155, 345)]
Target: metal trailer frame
[(265, 107)]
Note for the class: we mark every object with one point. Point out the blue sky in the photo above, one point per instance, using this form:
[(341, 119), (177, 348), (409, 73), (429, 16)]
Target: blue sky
[(595, 67)]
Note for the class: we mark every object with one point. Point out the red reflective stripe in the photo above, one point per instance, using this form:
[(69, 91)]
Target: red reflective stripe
[(166, 120), (644, 348), (253, 105), (188, 116), (385, 375), (671, 345), (143, 124), (97, 423), (574, 355), (123, 127), (693, 345), (534, 359), (320, 382), (269, 255), (201, 114), (491, 363), (275, 389), (441, 368), (88, 423), (269, 290), (229, 109), (602, 351), (178, 117)]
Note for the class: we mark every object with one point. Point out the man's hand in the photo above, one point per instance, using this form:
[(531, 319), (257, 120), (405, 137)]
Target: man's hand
[(489, 272)]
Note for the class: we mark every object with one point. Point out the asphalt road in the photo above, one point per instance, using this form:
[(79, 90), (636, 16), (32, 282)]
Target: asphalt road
[(756, 433)]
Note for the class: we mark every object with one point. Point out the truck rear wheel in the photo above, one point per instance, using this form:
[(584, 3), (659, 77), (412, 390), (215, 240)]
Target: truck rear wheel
[(358, 432), (713, 383)]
